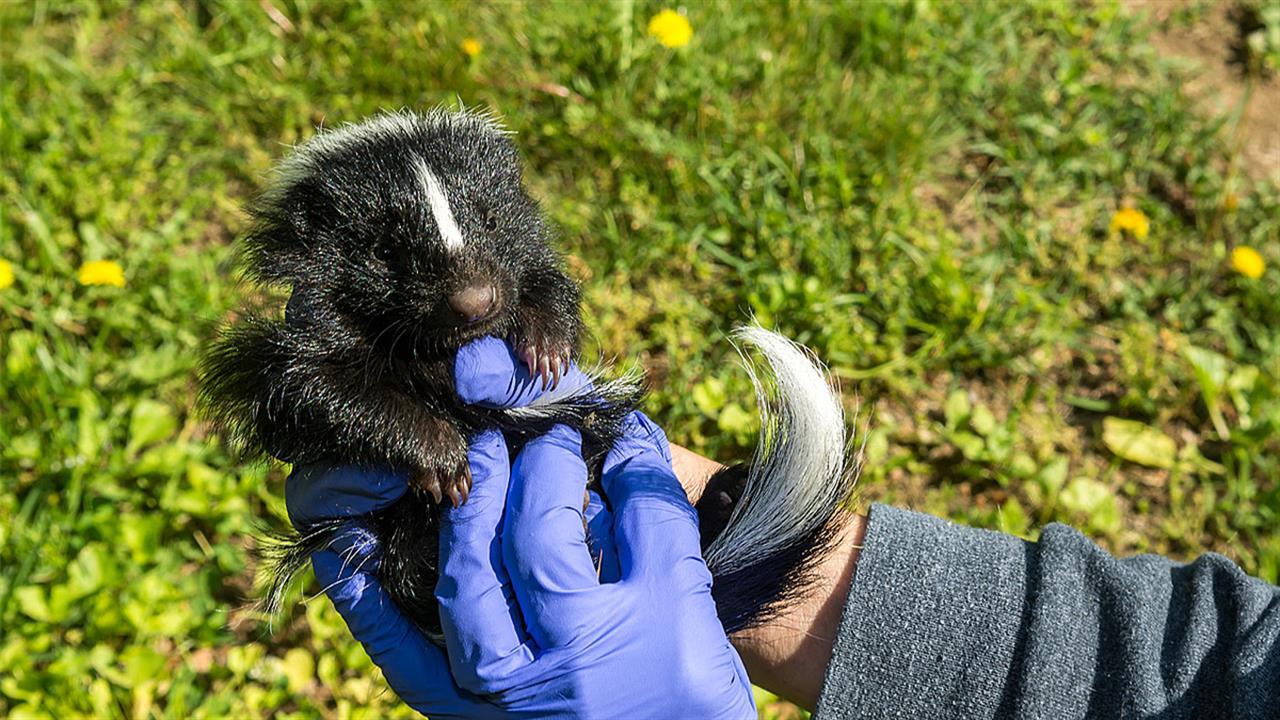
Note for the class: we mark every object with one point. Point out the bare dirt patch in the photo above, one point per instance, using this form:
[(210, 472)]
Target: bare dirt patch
[(1218, 81)]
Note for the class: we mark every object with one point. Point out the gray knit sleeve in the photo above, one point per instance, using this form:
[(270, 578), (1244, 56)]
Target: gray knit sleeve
[(945, 621)]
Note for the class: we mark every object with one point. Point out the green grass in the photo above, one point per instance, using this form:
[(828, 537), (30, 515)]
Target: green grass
[(919, 190)]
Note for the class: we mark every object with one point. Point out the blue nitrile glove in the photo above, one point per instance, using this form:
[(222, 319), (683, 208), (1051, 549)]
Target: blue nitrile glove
[(531, 629), (487, 372)]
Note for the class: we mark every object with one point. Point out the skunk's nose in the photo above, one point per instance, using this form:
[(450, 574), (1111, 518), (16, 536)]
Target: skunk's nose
[(474, 302)]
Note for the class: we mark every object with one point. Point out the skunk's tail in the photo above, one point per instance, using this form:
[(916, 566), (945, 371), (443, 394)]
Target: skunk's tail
[(767, 526), (786, 515)]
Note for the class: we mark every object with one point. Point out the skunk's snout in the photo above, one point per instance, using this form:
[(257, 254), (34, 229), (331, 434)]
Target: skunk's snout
[(474, 302)]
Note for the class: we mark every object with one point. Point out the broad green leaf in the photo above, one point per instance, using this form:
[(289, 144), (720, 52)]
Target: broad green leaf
[(1240, 385), (100, 698), (876, 450), (73, 661), (299, 669), (153, 366), (1244, 378), (26, 446), (324, 622), (242, 658), (1139, 443), (734, 419), (141, 664), (151, 422), (92, 570), (1022, 465), (327, 670), (709, 396), (62, 600), (14, 653), (1210, 370), (982, 421), (1093, 500), (204, 479), (141, 536), (27, 711), (1084, 495), (33, 602), (957, 407), (1000, 443), (164, 459), (21, 352), (1054, 474), (971, 446), (92, 432), (11, 687), (1013, 519)]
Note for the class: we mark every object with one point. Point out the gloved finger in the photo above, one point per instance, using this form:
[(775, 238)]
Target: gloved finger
[(314, 494), (488, 372), (543, 539), (655, 526), (604, 553), (417, 670), (482, 626)]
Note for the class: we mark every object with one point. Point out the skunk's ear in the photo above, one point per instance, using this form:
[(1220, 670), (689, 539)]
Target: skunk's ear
[(279, 238)]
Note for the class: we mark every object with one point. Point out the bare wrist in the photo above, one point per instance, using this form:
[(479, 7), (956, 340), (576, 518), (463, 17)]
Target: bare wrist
[(789, 656), (693, 470)]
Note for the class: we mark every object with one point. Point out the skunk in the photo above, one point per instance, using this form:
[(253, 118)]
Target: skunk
[(404, 237)]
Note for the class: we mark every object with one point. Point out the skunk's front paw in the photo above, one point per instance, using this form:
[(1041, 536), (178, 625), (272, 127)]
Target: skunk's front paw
[(446, 478), (545, 357)]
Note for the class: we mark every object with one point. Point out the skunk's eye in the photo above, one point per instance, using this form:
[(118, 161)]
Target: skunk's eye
[(384, 252), (490, 221)]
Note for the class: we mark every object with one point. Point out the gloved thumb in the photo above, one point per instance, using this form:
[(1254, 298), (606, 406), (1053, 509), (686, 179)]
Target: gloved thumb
[(488, 372)]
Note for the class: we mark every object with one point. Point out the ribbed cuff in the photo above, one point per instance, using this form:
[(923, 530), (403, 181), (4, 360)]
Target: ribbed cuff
[(931, 626)]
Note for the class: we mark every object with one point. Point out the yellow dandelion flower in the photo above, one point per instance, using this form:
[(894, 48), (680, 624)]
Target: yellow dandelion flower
[(6, 274), (671, 29), (1248, 262), (1131, 221), (102, 272), (471, 47)]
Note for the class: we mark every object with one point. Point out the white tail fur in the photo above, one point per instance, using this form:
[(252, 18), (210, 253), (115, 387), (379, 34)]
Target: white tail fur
[(799, 474)]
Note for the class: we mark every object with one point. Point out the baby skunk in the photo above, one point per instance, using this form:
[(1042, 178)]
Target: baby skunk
[(403, 238)]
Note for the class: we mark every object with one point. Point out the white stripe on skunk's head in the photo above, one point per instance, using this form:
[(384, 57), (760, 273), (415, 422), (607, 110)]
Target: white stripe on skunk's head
[(438, 201), (415, 218)]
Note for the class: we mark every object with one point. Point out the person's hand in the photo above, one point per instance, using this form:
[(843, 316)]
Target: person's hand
[(531, 628), (486, 372)]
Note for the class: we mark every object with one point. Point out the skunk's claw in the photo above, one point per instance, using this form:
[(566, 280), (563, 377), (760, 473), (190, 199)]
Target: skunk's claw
[(529, 354), (429, 482), (544, 370), (544, 362), (558, 365), (453, 483)]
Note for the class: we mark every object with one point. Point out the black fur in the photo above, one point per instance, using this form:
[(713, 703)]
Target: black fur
[(360, 369)]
